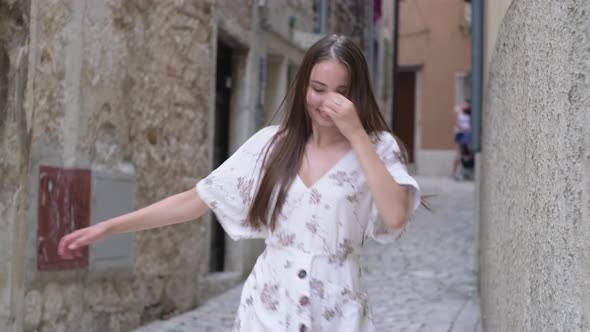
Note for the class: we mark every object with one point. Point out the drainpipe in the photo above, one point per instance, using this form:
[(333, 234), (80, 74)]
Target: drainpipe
[(477, 18), (323, 17), (476, 72), (395, 65), (370, 39)]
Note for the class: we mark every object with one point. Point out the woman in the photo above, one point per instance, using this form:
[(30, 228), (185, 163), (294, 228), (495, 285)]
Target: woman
[(316, 187)]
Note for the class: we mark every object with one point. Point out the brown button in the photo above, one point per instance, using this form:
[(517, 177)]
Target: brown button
[(302, 274), (304, 300), (302, 328)]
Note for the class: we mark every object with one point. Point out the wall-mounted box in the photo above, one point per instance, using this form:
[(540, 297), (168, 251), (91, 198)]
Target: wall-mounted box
[(63, 206), (71, 199), (113, 194)]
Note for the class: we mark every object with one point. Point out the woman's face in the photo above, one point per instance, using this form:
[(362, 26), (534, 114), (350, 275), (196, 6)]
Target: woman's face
[(327, 77)]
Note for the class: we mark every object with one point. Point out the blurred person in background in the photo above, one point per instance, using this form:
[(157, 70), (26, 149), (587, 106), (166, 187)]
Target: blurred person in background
[(462, 130)]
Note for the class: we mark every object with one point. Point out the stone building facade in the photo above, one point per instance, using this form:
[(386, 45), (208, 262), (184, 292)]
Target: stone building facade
[(107, 106)]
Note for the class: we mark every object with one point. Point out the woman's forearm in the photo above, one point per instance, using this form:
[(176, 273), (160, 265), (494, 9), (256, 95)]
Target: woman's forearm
[(175, 209), (390, 197)]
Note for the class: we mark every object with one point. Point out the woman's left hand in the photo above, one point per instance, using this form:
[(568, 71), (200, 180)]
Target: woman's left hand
[(343, 113)]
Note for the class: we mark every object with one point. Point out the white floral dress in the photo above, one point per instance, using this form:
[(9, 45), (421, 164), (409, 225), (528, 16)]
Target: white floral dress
[(308, 278)]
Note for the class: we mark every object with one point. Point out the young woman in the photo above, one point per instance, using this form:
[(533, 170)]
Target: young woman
[(316, 188)]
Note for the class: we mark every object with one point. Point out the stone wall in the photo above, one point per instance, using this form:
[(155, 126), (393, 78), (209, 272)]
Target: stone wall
[(14, 138), (117, 86), (534, 236)]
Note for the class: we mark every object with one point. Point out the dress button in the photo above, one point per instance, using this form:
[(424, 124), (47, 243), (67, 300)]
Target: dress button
[(304, 300), (302, 328), (302, 274)]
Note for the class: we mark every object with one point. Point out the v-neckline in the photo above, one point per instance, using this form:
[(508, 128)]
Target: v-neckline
[(330, 170)]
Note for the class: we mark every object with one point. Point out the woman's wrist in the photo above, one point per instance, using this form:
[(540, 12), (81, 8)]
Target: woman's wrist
[(108, 226), (359, 140)]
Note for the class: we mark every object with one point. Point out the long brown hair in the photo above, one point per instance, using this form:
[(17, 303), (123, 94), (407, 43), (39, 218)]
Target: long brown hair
[(283, 156)]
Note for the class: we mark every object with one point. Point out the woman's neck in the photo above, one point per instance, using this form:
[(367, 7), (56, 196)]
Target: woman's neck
[(322, 137)]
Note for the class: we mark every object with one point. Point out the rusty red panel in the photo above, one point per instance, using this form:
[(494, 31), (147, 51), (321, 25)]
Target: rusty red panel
[(64, 206)]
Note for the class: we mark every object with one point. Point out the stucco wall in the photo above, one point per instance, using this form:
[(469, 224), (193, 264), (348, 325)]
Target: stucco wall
[(534, 236), (493, 14), (432, 41)]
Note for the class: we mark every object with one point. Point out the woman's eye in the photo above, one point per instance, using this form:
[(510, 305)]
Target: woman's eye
[(318, 90)]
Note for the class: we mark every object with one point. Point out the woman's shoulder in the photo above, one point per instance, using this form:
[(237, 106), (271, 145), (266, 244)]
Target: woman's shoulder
[(254, 146), (382, 137), (269, 129), (261, 139), (384, 143), (264, 135)]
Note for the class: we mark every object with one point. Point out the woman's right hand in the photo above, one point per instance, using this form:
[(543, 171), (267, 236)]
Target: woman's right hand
[(172, 210), (71, 245)]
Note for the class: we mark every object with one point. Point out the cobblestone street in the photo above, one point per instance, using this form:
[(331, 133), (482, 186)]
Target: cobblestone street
[(423, 282)]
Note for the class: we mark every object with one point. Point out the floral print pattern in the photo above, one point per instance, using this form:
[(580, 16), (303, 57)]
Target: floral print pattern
[(269, 297), (344, 250), (308, 277), (315, 197), (244, 187)]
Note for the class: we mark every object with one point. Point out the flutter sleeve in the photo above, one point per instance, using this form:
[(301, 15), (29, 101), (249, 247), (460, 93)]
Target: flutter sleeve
[(228, 191), (389, 151)]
